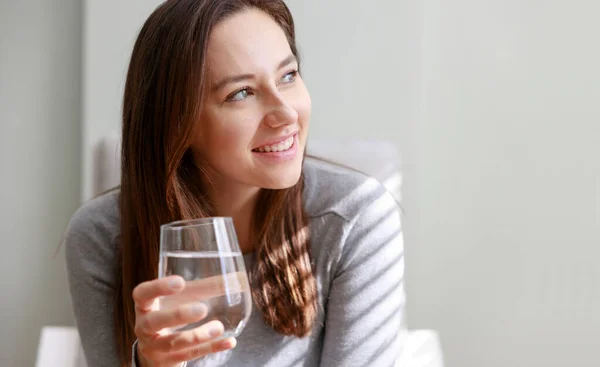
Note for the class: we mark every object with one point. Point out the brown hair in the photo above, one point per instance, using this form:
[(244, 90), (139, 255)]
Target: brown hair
[(160, 181)]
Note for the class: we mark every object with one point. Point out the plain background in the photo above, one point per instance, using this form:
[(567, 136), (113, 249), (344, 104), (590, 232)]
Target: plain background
[(40, 166), (494, 105)]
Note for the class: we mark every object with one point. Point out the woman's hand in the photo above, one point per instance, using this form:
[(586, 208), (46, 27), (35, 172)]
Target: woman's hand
[(160, 348)]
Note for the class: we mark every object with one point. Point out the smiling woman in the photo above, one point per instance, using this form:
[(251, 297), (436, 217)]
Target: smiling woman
[(256, 100), (215, 123)]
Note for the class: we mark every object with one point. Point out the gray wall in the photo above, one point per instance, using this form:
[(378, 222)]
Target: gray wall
[(509, 156), (40, 135)]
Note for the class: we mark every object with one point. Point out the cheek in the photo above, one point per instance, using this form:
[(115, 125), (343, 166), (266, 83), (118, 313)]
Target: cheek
[(227, 134)]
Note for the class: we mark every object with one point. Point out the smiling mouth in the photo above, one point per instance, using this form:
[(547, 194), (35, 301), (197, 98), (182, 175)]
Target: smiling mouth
[(279, 147)]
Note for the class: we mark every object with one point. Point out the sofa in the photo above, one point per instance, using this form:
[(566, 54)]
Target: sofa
[(59, 346)]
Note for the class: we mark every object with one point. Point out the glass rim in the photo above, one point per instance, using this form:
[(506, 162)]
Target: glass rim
[(191, 223)]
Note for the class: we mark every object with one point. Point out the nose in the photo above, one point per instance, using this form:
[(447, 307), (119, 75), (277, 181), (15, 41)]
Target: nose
[(279, 111)]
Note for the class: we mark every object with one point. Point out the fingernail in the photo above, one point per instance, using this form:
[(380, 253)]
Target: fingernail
[(214, 332), (176, 283), (198, 309), (227, 344)]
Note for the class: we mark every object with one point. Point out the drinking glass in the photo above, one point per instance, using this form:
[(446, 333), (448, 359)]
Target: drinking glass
[(206, 253)]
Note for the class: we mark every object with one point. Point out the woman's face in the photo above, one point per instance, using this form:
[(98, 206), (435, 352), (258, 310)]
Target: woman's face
[(256, 113)]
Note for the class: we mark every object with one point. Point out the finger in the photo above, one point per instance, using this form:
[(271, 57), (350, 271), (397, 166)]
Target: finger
[(145, 293), (201, 350), (190, 338), (151, 323)]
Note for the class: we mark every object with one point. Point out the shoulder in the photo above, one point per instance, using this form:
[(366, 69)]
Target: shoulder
[(333, 189), (94, 228), (355, 225)]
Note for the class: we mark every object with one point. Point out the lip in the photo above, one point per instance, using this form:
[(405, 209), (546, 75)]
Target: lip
[(280, 157), (276, 141)]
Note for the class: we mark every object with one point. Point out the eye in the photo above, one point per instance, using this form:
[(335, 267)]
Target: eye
[(239, 95), (289, 77)]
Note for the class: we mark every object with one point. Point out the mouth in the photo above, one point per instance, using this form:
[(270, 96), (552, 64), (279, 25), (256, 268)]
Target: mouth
[(281, 146)]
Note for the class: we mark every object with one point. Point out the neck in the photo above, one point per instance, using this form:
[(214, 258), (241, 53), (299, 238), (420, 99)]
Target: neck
[(238, 203)]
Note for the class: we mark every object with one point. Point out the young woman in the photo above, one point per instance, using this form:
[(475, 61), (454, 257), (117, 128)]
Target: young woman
[(215, 123)]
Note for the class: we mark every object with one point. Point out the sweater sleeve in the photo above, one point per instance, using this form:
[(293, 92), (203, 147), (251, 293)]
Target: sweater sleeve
[(90, 266), (365, 307)]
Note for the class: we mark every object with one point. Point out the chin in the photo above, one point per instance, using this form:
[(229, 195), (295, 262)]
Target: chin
[(282, 181)]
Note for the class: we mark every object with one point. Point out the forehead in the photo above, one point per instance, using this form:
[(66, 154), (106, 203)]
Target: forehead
[(247, 42)]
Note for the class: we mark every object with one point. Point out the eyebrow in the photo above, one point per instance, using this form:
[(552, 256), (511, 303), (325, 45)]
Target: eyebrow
[(238, 78)]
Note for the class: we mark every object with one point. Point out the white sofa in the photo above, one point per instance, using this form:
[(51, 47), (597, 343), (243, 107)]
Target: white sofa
[(60, 346)]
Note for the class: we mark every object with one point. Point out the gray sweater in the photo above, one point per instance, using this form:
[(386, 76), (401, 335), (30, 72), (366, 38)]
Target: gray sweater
[(357, 251)]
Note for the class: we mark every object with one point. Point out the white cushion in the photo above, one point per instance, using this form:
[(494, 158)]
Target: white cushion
[(420, 348), (60, 347), (106, 164), (377, 158)]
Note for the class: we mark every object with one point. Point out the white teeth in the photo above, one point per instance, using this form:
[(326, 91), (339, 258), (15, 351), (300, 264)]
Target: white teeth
[(283, 146)]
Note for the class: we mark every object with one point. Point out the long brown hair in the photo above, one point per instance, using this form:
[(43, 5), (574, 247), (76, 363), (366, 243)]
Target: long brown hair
[(160, 181)]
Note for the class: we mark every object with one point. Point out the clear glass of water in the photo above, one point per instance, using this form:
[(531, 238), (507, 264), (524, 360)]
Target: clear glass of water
[(206, 253)]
